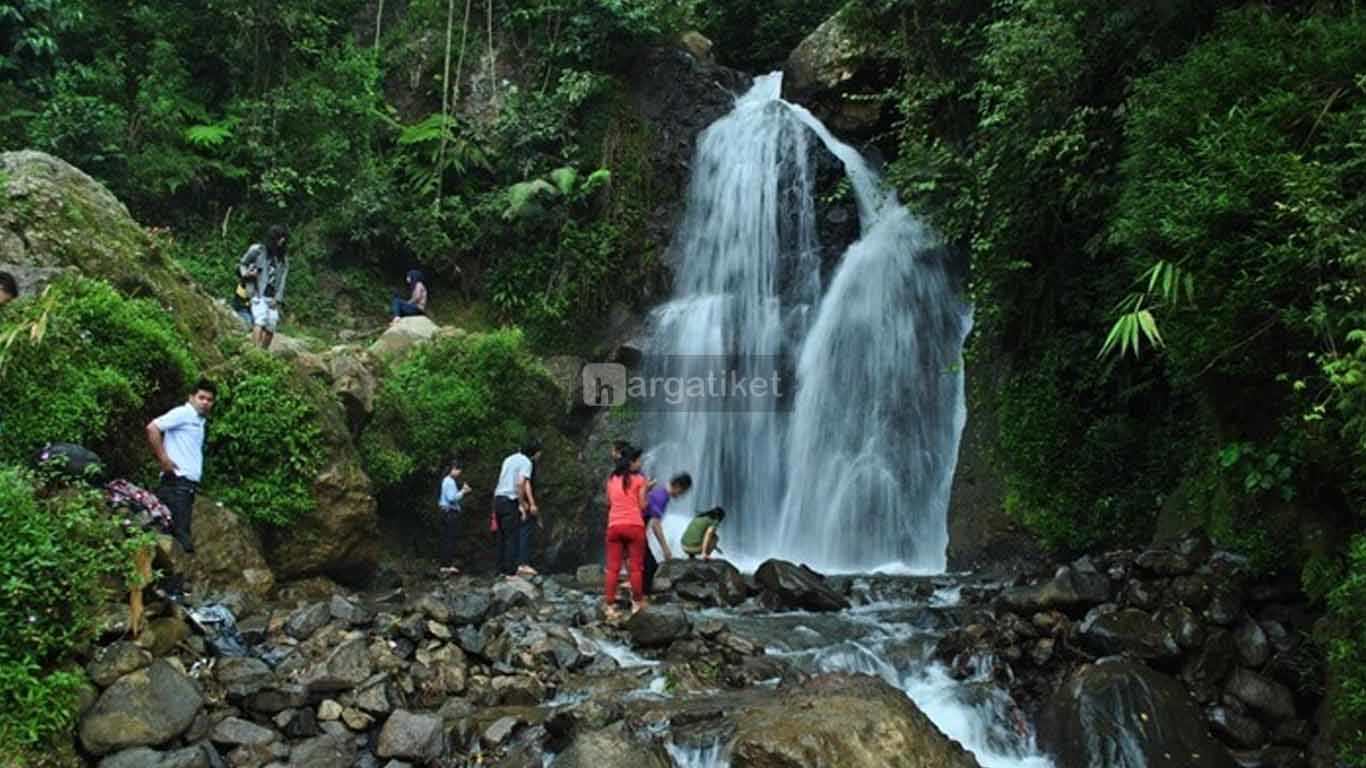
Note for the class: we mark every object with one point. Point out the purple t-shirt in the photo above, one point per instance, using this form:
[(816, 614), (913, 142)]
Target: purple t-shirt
[(655, 503)]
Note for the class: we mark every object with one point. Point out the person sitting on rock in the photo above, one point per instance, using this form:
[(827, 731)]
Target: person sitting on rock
[(702, 537), (9, 288), (656, 502), (453, 489), (625, 530), (416, 303)]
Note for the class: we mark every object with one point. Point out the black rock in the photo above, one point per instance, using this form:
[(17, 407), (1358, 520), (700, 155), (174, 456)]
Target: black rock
[(709, 582), (657, 626), (1271, 701), (1225, 606), (1293, 733), (1253, 647), (1206, 671), (1120, 713), (1128, 631), (1234, 729), (799, 587), (1164, 562)]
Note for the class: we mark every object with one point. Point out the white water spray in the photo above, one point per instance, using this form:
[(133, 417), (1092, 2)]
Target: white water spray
[(856, 476)]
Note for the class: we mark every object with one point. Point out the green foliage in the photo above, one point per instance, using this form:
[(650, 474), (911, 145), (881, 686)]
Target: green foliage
[(91, 372), (475, 396), (757, 37), (265, 443), (1347, 657), (57, 557)]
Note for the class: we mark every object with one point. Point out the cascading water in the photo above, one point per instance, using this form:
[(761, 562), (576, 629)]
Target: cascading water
[(855, 476)]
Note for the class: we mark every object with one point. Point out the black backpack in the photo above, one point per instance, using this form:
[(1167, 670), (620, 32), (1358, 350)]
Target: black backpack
[(70, 461)]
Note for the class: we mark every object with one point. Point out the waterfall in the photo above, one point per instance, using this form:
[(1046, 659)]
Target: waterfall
[(852, 472)]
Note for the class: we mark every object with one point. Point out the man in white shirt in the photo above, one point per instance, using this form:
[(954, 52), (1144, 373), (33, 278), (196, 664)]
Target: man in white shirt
[(453, 489), (177, 440), (514, 509)]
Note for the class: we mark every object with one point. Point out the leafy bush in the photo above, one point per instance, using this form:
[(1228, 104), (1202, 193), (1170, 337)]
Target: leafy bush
[(57, 558), (89, 371), (758, 36), (475, 396), (1347, 657), (265, 443)]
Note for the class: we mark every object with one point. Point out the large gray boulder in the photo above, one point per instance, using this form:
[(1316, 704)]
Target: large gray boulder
[(1121, 714), (841, 76), (843, 721), (142, 757), (148, 707), (711, 582), (656, 626), (412, 736)]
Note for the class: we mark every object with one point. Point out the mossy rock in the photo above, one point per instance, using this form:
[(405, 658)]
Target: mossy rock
[(54, 218)]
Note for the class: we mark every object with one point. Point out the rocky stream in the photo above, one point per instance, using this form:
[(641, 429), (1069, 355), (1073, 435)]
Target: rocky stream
[(1159, 658)]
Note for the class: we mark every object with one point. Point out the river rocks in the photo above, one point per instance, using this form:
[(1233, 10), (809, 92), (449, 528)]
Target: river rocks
[(1073, 589), (115, 661), (345, 667), (242, 676), (1253, 647), (309, 619), (144, 708), (235, 731), (1120, 714), (142, 757), (333, 750), (1128, 631), (1268, 698), (793, 586), (655, 626), (1235, 729), (711, 582), (612, 748), (1164, 562), (412, 736), (842, 721)]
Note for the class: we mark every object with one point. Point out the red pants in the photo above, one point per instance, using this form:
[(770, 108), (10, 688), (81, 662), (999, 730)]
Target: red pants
[(632, 538)]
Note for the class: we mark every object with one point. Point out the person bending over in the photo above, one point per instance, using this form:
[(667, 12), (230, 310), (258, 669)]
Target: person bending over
[(702, 537)]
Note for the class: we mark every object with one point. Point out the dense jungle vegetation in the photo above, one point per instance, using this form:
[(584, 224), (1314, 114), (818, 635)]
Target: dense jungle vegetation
[(1162, 203)]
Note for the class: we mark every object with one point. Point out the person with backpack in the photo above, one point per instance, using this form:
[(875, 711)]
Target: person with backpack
[(453, 489), (416, 303), (177, 440), (263, 270)]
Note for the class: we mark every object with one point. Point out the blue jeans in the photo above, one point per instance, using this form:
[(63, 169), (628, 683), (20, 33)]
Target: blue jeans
[(401, 308)]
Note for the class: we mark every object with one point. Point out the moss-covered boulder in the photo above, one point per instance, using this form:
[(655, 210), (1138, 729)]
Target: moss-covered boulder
[(54, 218)]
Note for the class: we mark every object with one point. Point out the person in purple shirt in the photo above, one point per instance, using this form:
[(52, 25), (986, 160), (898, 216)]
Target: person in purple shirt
[(656, 501)]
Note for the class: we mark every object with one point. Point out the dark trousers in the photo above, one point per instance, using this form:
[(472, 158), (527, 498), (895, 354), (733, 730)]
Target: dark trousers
[(651, 565), (509, 534), (524, 541), (178, 494), (402, 308), (450, 518)]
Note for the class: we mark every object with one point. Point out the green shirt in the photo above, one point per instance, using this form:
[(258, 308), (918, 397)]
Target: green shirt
[(697, 530)]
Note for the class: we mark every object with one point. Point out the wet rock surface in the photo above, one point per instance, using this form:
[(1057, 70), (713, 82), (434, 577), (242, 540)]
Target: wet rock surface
[(777, 673)]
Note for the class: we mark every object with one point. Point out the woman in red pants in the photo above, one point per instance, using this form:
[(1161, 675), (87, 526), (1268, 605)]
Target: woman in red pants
[(626, 529)]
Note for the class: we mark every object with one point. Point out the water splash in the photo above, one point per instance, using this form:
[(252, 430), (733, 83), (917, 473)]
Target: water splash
[(856, 476)]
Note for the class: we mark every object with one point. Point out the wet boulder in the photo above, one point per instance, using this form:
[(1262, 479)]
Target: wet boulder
[(142, 757), (1073, 589), (709, 582), (114, 661), (842, 721), (656, 626), (1128, 631), (796, 586), (1120, 714), (1272, 701), (1235, 729), (1253, 647), (612, 748), (345, 668)]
